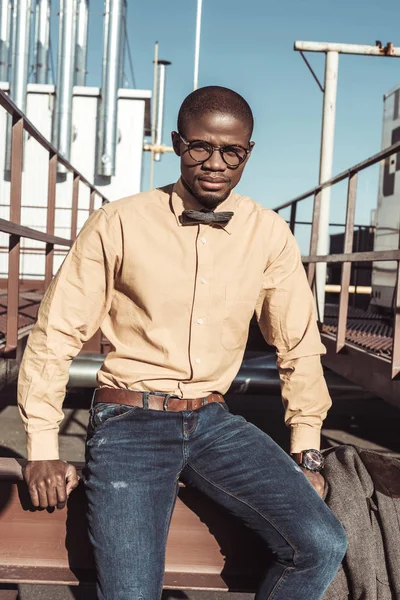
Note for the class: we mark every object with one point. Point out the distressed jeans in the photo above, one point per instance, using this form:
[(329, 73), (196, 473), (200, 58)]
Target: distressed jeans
[(134, 460)]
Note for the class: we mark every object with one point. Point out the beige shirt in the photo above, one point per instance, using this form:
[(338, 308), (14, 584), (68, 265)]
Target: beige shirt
[(175, 303)]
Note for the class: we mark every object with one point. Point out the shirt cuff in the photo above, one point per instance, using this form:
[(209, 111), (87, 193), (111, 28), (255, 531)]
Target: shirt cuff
[(42, 445), (304, 437)]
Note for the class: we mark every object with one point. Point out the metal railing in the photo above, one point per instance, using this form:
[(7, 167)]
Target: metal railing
[(348, 257), (13, 227)]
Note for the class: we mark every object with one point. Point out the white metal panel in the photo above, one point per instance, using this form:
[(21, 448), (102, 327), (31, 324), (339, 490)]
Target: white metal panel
[(387, 217)]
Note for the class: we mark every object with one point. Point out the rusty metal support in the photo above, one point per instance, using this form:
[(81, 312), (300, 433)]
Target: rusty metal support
[(14, 244), (396, 327), (13, 227), (75, 202), (293, 217), (51, 211), (314, 235), (91, 202), (346, 266)]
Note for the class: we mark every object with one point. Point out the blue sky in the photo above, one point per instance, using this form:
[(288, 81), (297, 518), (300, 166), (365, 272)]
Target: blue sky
[(248, 46)]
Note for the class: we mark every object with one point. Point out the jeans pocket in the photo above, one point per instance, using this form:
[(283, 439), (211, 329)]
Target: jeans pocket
[(103, 412)]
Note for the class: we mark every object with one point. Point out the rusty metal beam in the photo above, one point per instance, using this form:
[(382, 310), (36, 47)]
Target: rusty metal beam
[(51, 211), (374, 255), (14, 244), (293, 217), (32, 234), (13, 110), (75, 202), (376, 158), (396, 328), (314, 235), (346, 266), (92, 199)]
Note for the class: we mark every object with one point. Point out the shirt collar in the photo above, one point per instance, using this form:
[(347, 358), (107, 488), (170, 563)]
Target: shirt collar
[(182, 199)]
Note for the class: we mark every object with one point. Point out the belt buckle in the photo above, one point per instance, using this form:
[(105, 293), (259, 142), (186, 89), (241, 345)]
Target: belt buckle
[(166, 399)]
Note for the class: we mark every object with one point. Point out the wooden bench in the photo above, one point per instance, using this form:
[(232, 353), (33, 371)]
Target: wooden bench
[(207, 548)]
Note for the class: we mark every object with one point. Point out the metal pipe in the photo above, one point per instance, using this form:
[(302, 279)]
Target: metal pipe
[(197, 45), (256, 375), (42, 41), (81, 42), (65, 80), (162, 64), (5, 37), (377, 50), (325, 171), (20, 52), (21, 29), (122, 48), (111, 72), (153, 113)]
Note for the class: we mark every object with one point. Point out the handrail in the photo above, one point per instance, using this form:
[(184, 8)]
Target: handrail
[(348, 256), (369, 162), (13, 227), (12, 109)]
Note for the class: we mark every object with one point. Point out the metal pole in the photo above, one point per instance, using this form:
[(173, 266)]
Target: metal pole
[(109, 92), (154, 113), (325, 172), (377, 50), (5, 37), (66, 68), (21, 29), (162, 64), (81, 42), (42, 38), (197, 45), (20, 52)]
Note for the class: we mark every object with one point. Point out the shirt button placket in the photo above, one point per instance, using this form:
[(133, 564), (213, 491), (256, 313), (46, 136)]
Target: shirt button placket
[(201, 298)]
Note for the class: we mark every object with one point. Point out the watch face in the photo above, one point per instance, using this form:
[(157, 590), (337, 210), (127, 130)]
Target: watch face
[(313, 460)]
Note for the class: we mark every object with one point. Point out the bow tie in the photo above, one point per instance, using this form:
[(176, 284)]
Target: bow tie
[(194, 217)]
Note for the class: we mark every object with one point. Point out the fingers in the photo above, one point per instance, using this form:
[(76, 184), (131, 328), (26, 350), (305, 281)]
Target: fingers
[(50, 482), (34, 496), (72, 479)]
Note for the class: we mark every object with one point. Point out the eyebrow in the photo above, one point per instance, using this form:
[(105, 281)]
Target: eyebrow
[(218, 145)]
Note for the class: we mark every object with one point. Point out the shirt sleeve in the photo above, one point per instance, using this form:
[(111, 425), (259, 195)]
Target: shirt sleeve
[(286, 316), (72, 310)]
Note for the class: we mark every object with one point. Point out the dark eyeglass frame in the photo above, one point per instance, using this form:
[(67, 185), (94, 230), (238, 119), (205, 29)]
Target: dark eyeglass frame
[(219, 148)]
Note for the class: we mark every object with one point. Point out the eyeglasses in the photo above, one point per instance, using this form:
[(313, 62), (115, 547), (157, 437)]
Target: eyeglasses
[(201, 151)]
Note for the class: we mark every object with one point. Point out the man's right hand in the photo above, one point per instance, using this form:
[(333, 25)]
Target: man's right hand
[(50, 482)]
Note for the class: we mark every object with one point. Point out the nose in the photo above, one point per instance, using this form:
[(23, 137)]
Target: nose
[(215, 162)]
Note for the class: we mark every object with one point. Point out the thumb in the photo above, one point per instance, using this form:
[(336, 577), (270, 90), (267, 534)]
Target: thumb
[(72, 479)]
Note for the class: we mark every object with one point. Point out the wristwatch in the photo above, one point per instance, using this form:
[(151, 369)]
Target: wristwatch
[(312, 460)]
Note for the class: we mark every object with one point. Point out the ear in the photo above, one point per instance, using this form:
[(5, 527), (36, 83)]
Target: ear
[(176, 143), (252, 144)]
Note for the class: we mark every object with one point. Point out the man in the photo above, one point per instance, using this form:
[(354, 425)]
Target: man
[(173, 277)]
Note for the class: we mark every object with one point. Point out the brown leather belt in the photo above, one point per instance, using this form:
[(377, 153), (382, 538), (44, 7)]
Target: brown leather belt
[(153, 401)]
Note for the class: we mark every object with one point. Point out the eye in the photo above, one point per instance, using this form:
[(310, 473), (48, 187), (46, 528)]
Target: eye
[(199, 148), (234, 152)]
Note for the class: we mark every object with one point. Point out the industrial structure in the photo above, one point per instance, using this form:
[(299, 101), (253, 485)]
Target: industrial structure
[(65, 152), (100, 129)]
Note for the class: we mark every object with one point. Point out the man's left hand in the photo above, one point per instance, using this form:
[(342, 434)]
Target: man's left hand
[(316, 480)]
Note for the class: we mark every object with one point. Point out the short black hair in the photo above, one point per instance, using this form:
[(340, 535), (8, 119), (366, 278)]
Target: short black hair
[(214, 99)]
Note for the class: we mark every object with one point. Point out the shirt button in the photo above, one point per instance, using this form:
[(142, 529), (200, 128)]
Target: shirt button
[(203, 240), (200, 321), (204, 280), (197, 361)]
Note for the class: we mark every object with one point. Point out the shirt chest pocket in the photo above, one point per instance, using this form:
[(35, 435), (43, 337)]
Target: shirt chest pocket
[(237, 316)]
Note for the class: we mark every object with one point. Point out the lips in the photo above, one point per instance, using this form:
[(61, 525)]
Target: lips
[(212, 183)]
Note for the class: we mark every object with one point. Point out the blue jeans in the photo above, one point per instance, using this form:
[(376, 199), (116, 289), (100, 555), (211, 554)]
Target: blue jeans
[(134, 460)]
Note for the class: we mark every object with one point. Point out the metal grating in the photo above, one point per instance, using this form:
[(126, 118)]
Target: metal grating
[(368, 330)]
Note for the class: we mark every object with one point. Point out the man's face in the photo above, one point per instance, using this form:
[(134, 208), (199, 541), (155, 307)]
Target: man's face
[(211, 181)]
